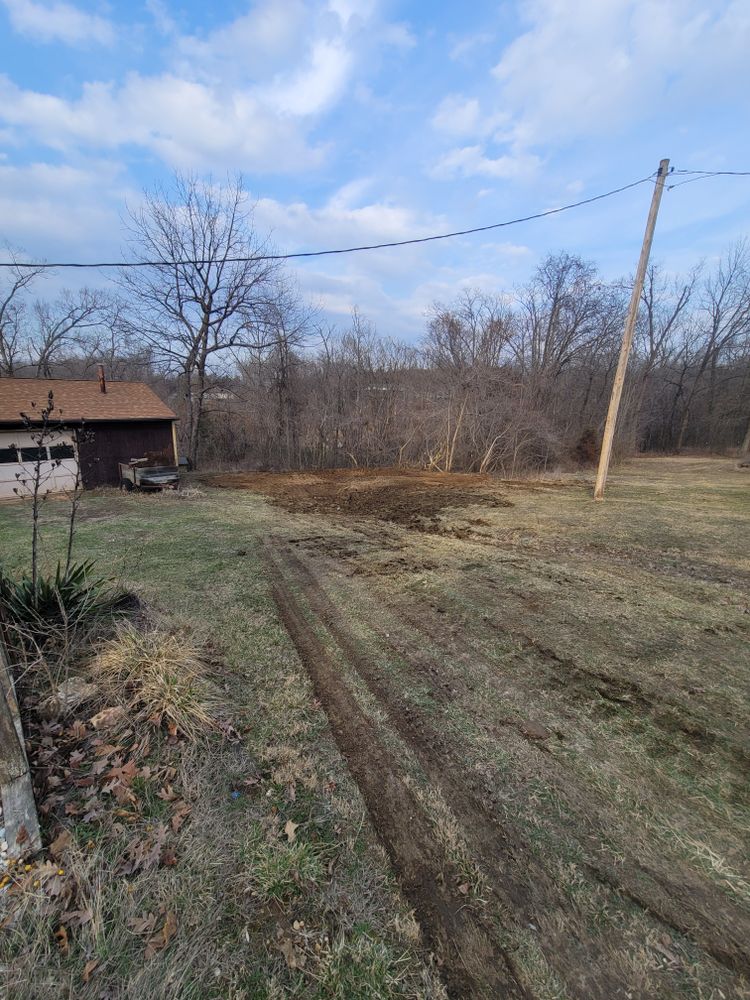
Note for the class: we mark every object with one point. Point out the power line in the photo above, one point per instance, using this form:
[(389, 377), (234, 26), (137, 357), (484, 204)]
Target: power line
[(703, 175), (715, 173), (327, 253), (695, 175)]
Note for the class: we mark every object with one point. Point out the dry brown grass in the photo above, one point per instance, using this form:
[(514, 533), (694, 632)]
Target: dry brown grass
[(619, 628), (158, 676)]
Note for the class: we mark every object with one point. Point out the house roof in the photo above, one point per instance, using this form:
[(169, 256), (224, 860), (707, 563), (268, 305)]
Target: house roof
[(76, 400)]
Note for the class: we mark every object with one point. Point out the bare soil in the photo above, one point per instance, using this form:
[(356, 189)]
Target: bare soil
[(403, 496)]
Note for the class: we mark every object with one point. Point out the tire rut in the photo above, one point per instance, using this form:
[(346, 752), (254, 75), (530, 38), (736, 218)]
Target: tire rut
[(691, 907), (523, 889), (472, 962)]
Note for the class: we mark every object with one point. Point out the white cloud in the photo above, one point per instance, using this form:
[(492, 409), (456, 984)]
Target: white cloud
[(467, 45), (187, 124), (457, 115), (245, 96), (592, 69), (397, 34), (350, 10), (462, 116), (261, 42), (350, 218), (581, 71), (48, 209), (163, 20), (472, 161), (58, 21), (341, 220), (315, 87), (506, 249)]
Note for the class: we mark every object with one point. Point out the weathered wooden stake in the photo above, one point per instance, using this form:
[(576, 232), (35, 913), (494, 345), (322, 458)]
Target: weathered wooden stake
[(19, 808)]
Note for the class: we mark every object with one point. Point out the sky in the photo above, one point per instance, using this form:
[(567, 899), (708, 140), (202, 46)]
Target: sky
[(360, 121)]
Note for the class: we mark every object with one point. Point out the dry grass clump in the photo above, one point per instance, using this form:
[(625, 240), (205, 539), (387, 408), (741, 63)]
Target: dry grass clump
[(158, 676)]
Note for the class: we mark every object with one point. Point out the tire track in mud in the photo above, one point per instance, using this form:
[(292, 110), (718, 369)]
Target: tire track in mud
[(692, 906), (473, 964), (522, 888)]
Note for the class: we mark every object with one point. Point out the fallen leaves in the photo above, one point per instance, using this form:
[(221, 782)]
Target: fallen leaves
[(145, 926), (76, 918), (290, 829), (60, 844), (108, 783), (181, 811), (108, 718), (144, 852), (293, 957), (61, 938), (163, 936), (89, 968)]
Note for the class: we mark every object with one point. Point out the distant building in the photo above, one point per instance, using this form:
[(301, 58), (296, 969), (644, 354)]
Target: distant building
[(97, 424)]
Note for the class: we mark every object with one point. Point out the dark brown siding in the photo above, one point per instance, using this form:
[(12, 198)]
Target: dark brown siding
[(103, 445)]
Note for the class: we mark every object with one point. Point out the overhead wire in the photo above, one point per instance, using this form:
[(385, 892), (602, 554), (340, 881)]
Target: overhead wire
[(702, 175), (183, 262), (715, 173), (43, 265)]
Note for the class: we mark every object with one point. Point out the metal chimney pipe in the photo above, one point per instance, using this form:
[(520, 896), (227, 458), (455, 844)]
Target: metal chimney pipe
[(102, 379)]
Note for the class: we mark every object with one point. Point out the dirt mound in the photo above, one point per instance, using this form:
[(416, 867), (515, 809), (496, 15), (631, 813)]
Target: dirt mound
[(407, 497)]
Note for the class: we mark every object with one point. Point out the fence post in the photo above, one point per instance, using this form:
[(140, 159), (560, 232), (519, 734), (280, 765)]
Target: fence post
[(17, 793)]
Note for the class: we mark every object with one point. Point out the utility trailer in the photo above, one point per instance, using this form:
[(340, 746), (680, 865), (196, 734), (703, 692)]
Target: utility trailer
[(137, 475)]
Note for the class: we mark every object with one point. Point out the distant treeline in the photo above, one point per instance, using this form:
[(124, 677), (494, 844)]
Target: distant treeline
[(503, 383)]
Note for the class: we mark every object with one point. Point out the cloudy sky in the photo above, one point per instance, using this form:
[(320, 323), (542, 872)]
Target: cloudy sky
[(370, 120)]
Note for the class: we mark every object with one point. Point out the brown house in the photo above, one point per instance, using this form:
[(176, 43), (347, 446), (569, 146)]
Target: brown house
[(98, 424)]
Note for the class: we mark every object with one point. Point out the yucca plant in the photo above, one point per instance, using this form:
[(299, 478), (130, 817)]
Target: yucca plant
[(59, 600)]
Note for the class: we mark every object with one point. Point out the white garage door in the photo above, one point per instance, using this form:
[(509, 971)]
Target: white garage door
[(18, 457)]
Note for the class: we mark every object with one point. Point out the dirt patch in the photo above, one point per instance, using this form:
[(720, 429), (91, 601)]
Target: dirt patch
[(410, 498)]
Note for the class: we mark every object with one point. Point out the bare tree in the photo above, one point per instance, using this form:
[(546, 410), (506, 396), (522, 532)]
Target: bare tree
[(724, 319), (12, 309), (560, 314), (59, 327), (207, 291), (472, 332)]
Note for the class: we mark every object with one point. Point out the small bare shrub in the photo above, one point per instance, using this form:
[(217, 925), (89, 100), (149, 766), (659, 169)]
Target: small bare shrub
[(586, 451)]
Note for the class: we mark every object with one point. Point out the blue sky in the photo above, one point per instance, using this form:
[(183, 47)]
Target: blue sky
[(369, 120)]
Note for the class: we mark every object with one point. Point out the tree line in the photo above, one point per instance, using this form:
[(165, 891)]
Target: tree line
[(498, 382)]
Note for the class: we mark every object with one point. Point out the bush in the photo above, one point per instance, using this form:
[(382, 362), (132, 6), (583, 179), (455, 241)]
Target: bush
[(586, 451)]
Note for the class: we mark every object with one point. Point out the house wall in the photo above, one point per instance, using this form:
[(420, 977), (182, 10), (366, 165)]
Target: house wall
[(17, 475), (102, 446)]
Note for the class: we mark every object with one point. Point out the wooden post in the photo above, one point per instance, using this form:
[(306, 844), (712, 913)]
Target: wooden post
[(627, 338), (19, 809), (745, 446), (174, 443)]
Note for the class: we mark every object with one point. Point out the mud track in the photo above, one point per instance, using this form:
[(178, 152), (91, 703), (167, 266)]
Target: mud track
[(524, 891), (473, 963)]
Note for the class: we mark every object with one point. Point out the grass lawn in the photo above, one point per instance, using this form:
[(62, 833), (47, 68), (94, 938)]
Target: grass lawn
[(509, 723)]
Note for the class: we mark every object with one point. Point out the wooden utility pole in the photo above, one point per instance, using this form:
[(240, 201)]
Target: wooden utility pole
[(627, 338)]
